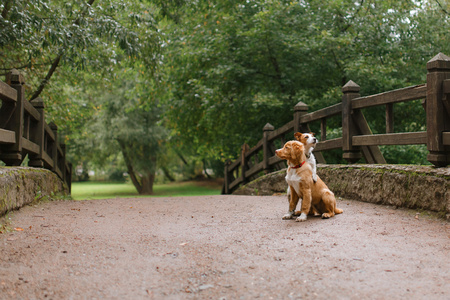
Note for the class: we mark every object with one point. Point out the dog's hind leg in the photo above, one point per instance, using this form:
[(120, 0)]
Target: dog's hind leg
[(329, 204)]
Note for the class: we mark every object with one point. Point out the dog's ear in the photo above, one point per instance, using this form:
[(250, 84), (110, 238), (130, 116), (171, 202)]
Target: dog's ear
[(297, 152), (298, 136), (312, 133)]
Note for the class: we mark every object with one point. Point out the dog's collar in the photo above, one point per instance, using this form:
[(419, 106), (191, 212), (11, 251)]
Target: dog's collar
[(298, 166)]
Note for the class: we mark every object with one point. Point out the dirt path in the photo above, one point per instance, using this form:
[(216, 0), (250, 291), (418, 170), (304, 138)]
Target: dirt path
[(221, 247)]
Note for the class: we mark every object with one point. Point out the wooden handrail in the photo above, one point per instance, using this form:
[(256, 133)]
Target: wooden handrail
[(357, 138), (23, 131)]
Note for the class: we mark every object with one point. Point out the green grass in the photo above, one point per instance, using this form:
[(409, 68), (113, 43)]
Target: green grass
[(103, 190)]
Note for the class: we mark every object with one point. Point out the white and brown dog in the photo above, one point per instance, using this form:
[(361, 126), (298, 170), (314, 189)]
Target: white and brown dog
[(309, 141), (316, 196)]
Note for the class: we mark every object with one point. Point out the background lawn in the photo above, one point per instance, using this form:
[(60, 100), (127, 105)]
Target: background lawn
[(102, 190)]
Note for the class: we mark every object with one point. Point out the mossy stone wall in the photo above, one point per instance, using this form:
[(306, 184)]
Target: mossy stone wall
[(419, 187), (22, 185)]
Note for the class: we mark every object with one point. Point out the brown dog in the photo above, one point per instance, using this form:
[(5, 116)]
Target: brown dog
[(316, 196)]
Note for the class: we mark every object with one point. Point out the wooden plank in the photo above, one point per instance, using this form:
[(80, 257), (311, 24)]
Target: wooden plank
[(281, 131), (47, 160), (49, 132), (319, 158), (255, 149), (446, 98), (234, 165), (372, 153), (274, 160), (7, 136), (390, 118), (446, 138), (329, 145), (58, 172), (235, 183), (408, 138), (7, 93), (323, 129), (446, 86), (29, 146), (322, 113), (28, 107), (395, 96), (254, 170)]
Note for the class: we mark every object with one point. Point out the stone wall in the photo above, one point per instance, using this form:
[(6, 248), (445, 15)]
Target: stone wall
[(416, 187), (22, 185)]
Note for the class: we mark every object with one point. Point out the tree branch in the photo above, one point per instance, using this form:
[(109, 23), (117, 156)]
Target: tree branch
[(47, 77), (6, 9), (56, 61), (443, 9)]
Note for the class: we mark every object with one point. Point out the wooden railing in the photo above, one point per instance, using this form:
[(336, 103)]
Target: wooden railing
[(357, 140), (23, 131)]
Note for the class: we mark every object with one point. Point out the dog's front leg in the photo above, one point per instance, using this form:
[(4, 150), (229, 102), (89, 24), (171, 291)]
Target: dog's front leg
[(293, 200), (306, 205)]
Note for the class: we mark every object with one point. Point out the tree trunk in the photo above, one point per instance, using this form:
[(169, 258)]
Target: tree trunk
[(130, 169), (147, 184)]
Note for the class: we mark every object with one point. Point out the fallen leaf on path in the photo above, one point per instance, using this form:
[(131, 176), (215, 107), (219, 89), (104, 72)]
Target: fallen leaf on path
[(18, 229)]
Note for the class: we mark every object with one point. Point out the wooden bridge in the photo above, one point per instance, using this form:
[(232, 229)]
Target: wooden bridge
[(357, 140), (23, 131)]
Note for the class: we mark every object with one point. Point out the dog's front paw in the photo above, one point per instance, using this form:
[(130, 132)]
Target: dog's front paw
[(288, 216), (302, 218)]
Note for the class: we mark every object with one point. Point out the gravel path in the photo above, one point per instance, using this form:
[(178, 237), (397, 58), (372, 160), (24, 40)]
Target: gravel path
[(221, 247)]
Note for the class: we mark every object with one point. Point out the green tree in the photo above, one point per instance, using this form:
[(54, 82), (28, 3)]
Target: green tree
[(38, 37), (127, 122), (234, 66)]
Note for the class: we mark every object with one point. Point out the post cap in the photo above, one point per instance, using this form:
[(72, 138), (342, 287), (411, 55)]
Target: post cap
[(37, 103), (300, 106), (350, 86), (14, 76), (53, 126), (268, 127), (439, 62)]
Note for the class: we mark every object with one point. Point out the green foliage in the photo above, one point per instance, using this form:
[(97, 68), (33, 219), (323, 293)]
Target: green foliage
[(234, 66), (193, 80)]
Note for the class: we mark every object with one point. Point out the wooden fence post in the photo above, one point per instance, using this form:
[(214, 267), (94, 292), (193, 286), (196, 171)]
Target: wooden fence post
[(69, 177), (227, 178), (37, 134), (54, 146), (300, 109), (266, 147), (12, 155), (438, 119), (244, 150), (350, 91)]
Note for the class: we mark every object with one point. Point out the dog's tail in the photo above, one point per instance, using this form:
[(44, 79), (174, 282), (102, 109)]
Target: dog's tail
[(338, 211)]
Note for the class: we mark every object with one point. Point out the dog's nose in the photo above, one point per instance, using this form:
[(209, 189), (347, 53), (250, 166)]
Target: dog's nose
[(315, 140)]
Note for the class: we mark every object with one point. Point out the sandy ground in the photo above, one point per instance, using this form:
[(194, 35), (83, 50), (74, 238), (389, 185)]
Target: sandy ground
[(221, 247)]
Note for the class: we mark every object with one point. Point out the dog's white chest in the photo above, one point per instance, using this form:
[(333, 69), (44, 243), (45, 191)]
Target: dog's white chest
[(293, 180)]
